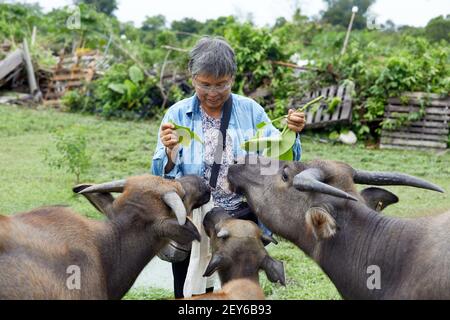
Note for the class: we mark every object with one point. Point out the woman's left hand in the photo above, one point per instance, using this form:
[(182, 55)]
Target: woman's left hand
[(296, 120)]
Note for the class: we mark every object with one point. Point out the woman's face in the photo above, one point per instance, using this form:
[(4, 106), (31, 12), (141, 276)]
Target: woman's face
[(211, 91)]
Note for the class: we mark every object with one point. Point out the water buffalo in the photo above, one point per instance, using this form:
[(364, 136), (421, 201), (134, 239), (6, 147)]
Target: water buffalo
[(316, 206), (55, 253)]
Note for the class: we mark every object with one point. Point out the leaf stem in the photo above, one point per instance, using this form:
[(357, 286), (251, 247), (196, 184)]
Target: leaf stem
[(310, 103), (278, 119)]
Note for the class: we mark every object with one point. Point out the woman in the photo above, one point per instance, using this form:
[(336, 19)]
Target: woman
[(212, 66)]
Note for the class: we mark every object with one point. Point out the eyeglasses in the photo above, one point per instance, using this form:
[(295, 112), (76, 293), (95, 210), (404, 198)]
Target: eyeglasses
[(211, 88)]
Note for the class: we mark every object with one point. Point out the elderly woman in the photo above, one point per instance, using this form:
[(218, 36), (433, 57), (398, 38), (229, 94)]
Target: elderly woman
[(212, 66)]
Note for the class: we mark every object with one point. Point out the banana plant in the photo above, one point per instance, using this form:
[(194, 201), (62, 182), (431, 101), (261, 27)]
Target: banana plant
[(279, 147)]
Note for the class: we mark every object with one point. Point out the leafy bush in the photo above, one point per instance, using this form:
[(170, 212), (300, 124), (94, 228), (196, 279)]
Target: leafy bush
[(379, 74), (122, 92), (72, 155)]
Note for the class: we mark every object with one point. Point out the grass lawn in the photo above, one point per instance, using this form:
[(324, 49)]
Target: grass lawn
[(123, 148)]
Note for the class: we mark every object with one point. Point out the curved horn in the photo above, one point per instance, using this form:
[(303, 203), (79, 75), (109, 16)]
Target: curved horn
[(223, 233), (392, 179), (113, 186), (311, 180), (268, 238), (214, 265), (173, 200)]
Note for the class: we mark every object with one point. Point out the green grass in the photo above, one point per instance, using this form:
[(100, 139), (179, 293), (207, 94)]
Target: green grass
[(148, 294), (124, 148)]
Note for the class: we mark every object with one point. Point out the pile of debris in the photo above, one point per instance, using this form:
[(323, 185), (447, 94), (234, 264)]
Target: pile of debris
[(21, 82), (15, 68), (70, 73)]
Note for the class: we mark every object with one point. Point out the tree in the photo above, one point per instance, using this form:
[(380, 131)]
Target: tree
[(281, 21), (217, 26), (338, 12), (438, 29), (186, 26), (105, 6), (155, 31), (154, 23)]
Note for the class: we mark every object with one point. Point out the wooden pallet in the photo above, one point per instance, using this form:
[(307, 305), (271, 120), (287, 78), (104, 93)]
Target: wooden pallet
[(320, 117), (430, 132), (70, 73)]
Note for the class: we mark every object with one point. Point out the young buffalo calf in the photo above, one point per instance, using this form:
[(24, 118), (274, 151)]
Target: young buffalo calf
[(238, 255)]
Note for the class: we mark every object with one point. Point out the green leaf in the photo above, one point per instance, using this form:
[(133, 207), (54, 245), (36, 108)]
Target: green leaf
[(261, 125), (259, 144), (117, 87), (333, 104), (283, 149), (288, 156), (136, 74), (185, 134), (131, 88)]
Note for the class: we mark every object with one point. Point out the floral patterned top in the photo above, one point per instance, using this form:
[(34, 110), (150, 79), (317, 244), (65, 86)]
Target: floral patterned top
[(222, 195)]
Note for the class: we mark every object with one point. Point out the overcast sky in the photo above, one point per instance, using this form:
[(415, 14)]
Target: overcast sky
[(409, 12)]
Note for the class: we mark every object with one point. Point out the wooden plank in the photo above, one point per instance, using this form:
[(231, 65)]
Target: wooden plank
[(322, 124), (347, 103), (318, 114), (10, 63), (322, 108), (419, 95), (415, 136), (65, 77), (390, 146), (310, 113), (428, 110), (423, 130), (331, 93), (429, 124), (431, 117), (415, 143), (337, 111), (326, 92), (432, 102)]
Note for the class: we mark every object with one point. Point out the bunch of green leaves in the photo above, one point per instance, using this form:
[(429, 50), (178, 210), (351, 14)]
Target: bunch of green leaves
[(125, 92), (185, 135), (278, 147)]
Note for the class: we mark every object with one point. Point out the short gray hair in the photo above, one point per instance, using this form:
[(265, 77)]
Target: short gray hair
[(212, 56)]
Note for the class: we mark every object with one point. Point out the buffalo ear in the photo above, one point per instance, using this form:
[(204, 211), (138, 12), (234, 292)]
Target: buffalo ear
[(274, 270), (378, 198), (103, 202), (213, 218), (321, 223)]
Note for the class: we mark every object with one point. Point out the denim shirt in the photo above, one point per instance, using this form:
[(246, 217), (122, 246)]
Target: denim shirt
[(245, 115)]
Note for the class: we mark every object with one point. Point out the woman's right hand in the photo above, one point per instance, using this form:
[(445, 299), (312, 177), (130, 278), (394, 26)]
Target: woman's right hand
[(169, 137)]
